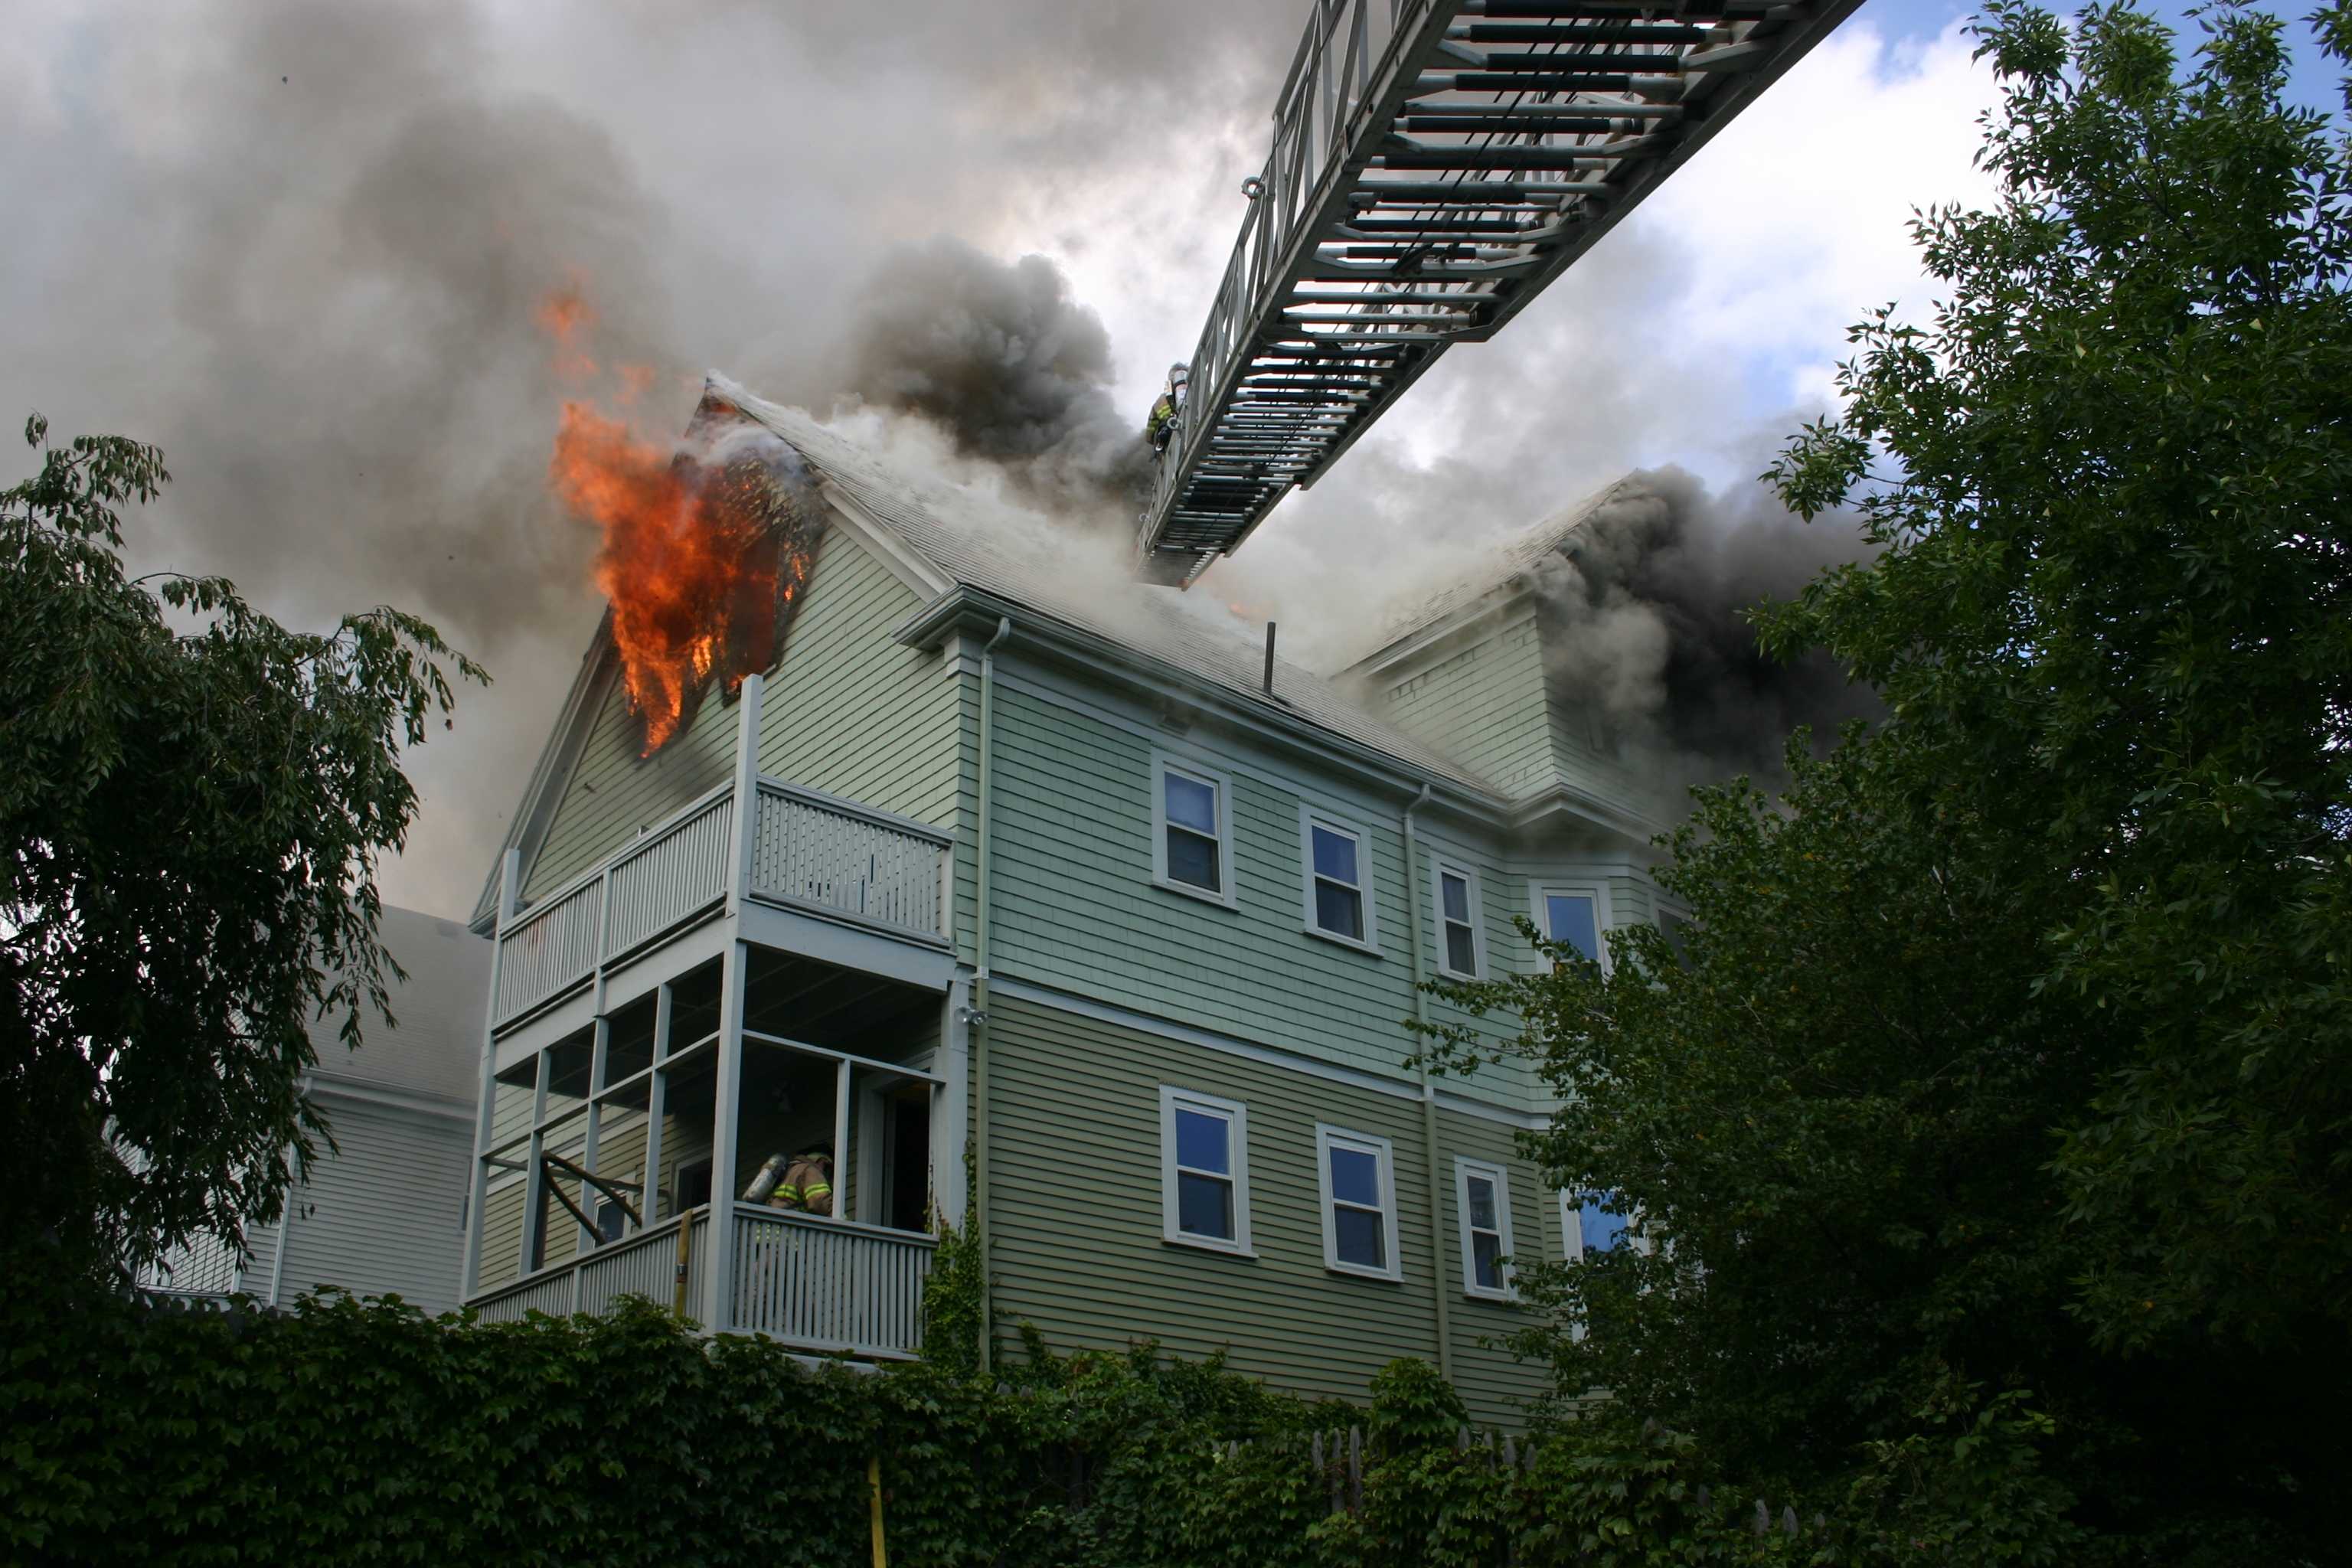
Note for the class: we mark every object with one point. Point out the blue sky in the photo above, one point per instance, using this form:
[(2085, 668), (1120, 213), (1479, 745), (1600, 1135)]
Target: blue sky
[(2311, 81)]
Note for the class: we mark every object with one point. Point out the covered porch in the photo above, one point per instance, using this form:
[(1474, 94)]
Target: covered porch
[(633, 1096)]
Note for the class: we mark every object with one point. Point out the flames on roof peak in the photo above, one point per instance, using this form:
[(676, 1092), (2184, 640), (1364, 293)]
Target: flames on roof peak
[(707, 541)]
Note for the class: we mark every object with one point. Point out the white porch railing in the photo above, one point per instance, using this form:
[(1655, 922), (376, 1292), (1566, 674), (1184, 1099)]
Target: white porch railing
[(828, 1284), (810, 850), (816, 1284), (645, 1265), (671, 873), (824, 853)]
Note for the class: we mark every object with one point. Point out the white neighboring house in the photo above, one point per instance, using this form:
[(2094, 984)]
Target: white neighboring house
[(383, 1214)]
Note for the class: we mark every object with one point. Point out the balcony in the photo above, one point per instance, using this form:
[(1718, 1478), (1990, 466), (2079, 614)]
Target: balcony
[(808, 852), (761, 984), (815, 1284)]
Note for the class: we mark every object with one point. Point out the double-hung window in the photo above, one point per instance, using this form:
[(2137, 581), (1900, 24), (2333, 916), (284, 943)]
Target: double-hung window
[(1482, 1195), (1338, 901), (1460, 950), (1193, 830), (1203, 1171), (1575, 915), (1358, 1178)]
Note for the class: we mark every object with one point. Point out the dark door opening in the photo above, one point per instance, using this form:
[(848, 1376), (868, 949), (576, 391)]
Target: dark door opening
[(911, 1160)]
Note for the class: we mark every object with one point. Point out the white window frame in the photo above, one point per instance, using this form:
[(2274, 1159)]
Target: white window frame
[(1236, 1119), (1310, 819), (1440, 868), (1327, 1138), (1464, 1169), (1598, 891), (1163, 764)]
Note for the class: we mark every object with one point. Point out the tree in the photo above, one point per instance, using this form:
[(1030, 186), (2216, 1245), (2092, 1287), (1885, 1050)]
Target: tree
[(2118, 596), (2011, 1050), (190, 820)]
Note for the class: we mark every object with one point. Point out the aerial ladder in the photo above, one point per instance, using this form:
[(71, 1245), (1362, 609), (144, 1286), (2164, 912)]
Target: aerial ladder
[(1436, 163)]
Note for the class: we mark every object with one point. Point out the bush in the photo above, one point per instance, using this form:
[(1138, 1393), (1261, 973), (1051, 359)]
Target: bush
[(364, 1432)]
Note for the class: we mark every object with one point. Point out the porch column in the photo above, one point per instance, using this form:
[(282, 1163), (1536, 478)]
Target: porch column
[(719, 1294), (951, 1105), (719, 1291), (509, 870)]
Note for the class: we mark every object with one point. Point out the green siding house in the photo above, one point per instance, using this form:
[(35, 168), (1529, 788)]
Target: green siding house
[(1006, 866)]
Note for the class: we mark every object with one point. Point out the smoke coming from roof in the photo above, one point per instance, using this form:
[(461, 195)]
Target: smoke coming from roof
[(1642, 607), (1010, 367)]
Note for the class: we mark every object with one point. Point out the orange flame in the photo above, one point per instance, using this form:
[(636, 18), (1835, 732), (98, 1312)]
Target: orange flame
[(679, 562), (696, 543)]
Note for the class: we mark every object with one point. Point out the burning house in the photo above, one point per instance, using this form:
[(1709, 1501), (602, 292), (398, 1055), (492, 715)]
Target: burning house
[(879, 841)]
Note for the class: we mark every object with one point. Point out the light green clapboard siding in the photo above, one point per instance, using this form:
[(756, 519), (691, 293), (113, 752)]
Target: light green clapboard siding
[(846, 710), (613, 795), (1500, 703), (1076, 909), (1075, 1219), (851, 713), (1483, 704)]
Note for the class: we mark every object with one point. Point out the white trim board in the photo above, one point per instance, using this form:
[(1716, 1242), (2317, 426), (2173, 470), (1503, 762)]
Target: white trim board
[(441, 1109), (1310, 817), (1499, 1176), (1235, 1116), (1328, 1137), (1250, 1050)]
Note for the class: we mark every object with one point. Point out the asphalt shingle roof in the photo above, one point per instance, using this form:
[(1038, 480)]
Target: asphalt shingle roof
[(985, 543)]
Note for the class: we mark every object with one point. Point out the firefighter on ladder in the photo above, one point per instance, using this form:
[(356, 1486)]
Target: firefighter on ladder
[(1160, 428)]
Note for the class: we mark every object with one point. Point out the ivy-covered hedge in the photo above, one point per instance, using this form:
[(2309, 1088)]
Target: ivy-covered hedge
[(364, 1433)]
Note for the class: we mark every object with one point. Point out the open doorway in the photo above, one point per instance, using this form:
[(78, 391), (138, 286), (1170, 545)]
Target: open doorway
[(907, 1186)]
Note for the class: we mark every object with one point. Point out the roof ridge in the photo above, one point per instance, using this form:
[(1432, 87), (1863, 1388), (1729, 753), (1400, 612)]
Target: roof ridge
[(1167, 628)]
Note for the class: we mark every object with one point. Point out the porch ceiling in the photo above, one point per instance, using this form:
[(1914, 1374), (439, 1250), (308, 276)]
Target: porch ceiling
[(822, 1004)]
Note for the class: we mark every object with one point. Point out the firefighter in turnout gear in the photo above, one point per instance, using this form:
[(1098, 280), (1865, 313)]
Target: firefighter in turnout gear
[(802, 1182), (810, 1175), (1161, 426)]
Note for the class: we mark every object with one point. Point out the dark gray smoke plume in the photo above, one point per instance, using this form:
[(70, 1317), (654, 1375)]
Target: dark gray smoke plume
[(1646, 636), (1014, 371), (301, 247)]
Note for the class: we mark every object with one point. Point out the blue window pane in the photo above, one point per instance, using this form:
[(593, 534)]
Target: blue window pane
[(1482, 1204), (1361, 1237), (1201, 1142), (1339, 910), (1600, 1231), (1571, 919), (1204, 1207), (1193, 803), (1456, 893), (1356, 1177), (1461, 950), (1193, 861), (1486, 1262), (1335, 856)]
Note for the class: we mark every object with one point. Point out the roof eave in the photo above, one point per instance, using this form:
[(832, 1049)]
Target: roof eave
[(964, 607)]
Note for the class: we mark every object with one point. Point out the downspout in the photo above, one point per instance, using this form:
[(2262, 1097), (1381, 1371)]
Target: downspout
[(1439, 1267), (980, 1000)]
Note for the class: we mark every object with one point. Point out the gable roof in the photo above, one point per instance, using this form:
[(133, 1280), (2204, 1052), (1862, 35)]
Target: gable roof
[(1499, 572), (437, 1047), (944, 536), (981, 542)]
